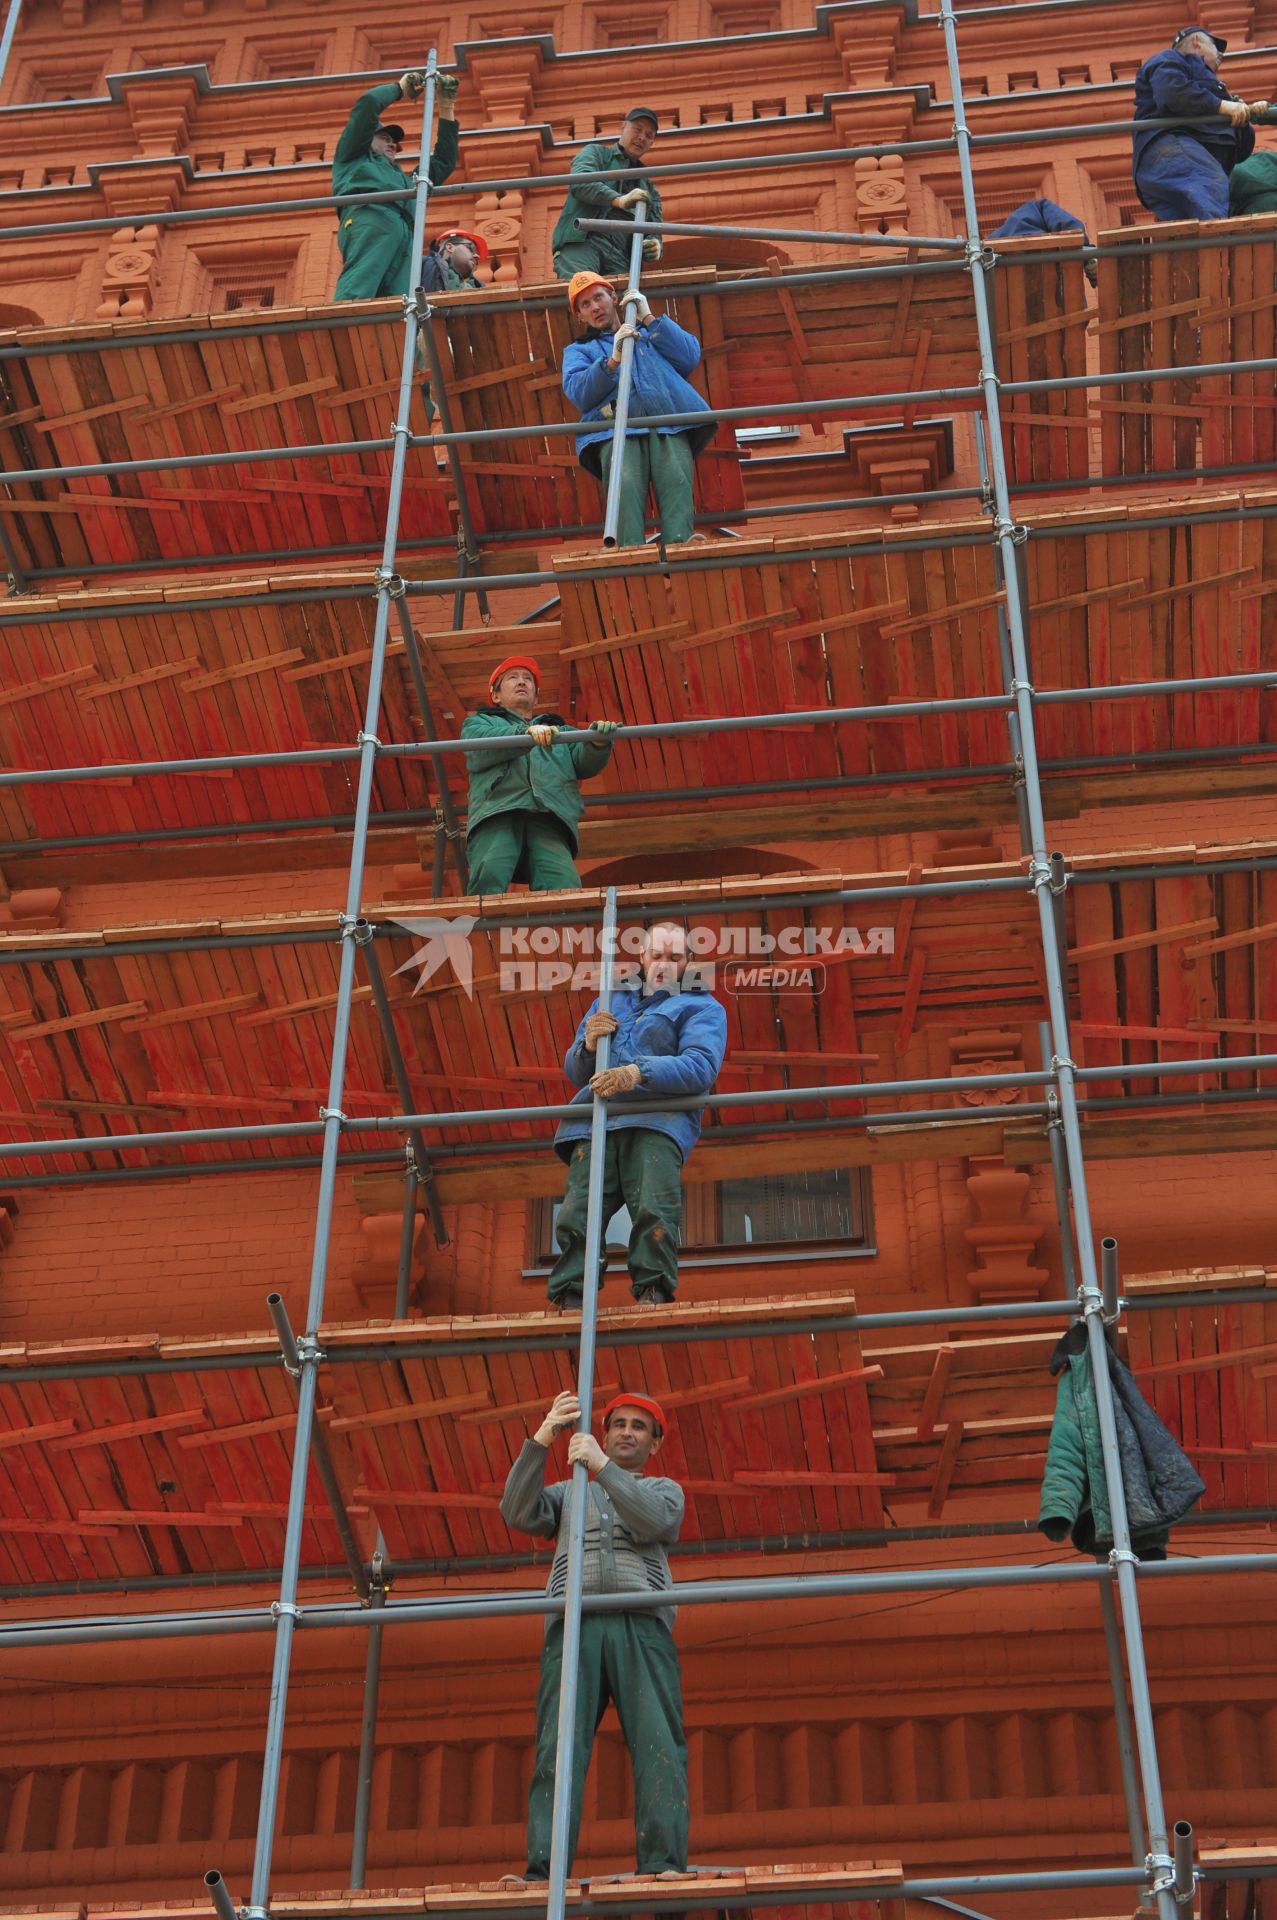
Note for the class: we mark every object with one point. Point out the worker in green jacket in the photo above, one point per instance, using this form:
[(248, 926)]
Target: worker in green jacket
[(375, 242), (525, 800), (608, 253), (1252, 185)]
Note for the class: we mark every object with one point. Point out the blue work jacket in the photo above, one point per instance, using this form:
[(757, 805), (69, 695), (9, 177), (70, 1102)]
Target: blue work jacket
[(1037, 216), (1181, 87), (664, 354), (677, 1041)]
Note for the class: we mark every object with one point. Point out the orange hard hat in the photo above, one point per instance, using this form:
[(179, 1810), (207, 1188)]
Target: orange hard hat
[(581, 283), (515, 660), (476, 240), (640, 1400)]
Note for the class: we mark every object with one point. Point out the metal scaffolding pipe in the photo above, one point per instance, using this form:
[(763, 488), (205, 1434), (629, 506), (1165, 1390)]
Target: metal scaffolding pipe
[(1122, 1727), (621, 407), (293, 1366), (422, 1172), (407, 1235), (223, 1906), (285, 1611), (512, 1605), (368, 1728), (1056, 982), (811, 236), (579, 1492), (468, 543), (1185, 1875)]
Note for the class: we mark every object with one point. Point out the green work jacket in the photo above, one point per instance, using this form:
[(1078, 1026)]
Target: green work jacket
[(523, 779), (357, 169), (592, 200)]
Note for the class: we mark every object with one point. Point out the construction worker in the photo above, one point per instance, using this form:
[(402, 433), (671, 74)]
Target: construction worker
[(1039, 217), (1252, 186), (1181, 172), (575, 252), (450, 264), (375, 242), (668, 1037), (629, 1656), (659, 457), (525, 796)]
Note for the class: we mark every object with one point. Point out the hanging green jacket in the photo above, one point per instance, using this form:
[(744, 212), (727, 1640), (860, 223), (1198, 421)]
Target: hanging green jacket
[(592, 199), (1252, 187), (1160, 1482), (357, 169), (523, 779)]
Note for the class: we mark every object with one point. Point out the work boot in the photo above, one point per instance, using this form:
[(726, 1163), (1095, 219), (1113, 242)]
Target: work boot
[(649, 1297), (571, 1300)]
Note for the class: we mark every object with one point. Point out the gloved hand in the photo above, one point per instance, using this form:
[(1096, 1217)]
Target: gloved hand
[(615, 1080), (622, 334), (596, 1026), (449, 85), (542, 736), (412, 83), (630, 199), (634, 303), (604, 726), (1235, 110), (652, 247)]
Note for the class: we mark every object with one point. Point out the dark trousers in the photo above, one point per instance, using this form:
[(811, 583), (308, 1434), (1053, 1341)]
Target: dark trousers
[(605, 253), (629, 1658), (1178, 179), (641, 1171), (376, 247), (520, 846), (663, 462)]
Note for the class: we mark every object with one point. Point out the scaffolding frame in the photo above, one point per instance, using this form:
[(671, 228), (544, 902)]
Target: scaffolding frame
[(1161, 1871)]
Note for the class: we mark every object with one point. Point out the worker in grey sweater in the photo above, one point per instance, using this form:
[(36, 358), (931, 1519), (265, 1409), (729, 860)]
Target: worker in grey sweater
[(626, 1657)]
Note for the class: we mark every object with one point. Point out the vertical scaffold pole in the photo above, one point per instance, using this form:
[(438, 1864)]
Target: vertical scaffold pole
[(624, 382), (1008, 538), (309, 1355), (368, 1725), (595, 1226)]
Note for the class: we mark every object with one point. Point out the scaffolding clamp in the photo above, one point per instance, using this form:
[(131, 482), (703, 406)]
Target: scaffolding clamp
[(1160, 1867), (363, 739), (333, 1113), (386, 580), (361, 931), (1123, 1557), (1061, 1060), (285, 1610), (441, 826)]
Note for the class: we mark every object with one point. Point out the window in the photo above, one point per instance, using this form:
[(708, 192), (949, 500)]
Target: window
[(770, 109), (1075, 76), (824, 1211), (728, 18), (65, 80), (237, 299), (1022, 82), (715, 113), (286, 56), (613, 26)]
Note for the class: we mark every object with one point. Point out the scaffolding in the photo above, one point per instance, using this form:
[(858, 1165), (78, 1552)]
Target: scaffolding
[(1162, 1863)]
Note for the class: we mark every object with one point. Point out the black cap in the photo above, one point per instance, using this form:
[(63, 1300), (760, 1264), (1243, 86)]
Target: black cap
[(1184, 33), (396, 133), (644, 113)]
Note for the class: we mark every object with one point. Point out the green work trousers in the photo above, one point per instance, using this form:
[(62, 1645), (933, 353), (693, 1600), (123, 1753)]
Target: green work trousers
[(629, 1658), (520, 846), (641, 1171), (375, 246), (663, 461), (605, 253)]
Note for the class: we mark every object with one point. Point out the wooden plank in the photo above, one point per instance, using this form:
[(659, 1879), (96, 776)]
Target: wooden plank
[(78, 1022), (798, 1389), (1137, 942), (929, 1412), (948, 1460), (130, 1430), (418, 1410)]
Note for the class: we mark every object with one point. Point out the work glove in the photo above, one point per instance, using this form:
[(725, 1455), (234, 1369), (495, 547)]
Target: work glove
[(604, 726), (612, 1080), (630, 199), (411, 83), (652, 247), (622, 334), (542, 736), (596, 1026), (449, 85), (634, 303)]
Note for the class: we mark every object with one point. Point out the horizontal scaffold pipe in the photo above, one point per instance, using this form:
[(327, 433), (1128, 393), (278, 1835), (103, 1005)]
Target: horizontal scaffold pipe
[(796, 1587), (663, 1333), (815, 236)]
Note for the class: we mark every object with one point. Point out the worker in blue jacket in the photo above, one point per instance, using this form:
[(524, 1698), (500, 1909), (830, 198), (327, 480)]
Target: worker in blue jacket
[(1036, 217), (1181, 172), (668, 1036), (659, 457)]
